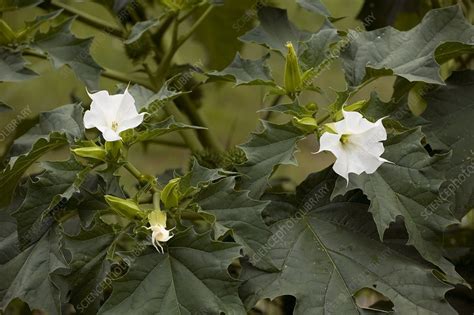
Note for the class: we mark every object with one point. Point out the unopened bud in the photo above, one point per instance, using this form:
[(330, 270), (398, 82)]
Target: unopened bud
[(293, 75), (125, 207)]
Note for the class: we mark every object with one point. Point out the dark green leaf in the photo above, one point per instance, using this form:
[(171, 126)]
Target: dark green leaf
[(409, 187), (45, 197), (4, 107), (66, 120), (449, 117), (314, 52), (385, 50), (235, 211), (326, 254), (12, 67), (191, 277), (89, 266), (246, 72), (275, 146), (154, 130), (30, 276), (147, 100), (64, 48), (314, 6), (275, 30), (139, 29), (294, 109)]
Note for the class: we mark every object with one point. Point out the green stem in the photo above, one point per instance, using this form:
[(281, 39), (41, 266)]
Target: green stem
[(141, 178), (125, 78), (275, 101), (134, 171), (189, 137), (193, 28), (89, 19), (207, 138)]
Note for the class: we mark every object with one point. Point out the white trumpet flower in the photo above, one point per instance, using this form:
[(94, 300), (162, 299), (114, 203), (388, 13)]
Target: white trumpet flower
[(356, 144), (112, 114)]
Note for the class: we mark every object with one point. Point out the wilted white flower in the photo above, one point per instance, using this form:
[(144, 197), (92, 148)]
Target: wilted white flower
[(356, 144), (159, 233), (112, 114)]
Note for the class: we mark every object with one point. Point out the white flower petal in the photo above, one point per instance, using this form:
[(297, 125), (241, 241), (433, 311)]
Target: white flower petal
[(130, 123), (361, 160), (328, 141), (92, 119), (110, 135), (353, 123), (127, 109)]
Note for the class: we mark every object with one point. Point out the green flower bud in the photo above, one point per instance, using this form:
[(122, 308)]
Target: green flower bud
[(312, 107), (307, 124), (96, 153), (349, 108), (7, 35), (293, 75), (125, 207), (170, 194)]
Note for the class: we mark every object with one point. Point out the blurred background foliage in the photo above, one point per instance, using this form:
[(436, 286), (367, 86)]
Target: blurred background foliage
[(230, 112)]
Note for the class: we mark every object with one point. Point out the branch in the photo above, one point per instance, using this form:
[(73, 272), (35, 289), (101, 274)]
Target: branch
[(89, 19)]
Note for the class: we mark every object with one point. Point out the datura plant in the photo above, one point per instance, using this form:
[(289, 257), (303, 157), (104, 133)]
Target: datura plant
[(382, 224)]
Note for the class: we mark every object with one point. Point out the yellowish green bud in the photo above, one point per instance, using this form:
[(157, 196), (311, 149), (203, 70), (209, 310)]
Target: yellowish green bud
[(125, 207), (312, 107), (96, 153), (308, 124), (293, 75), (350, 108), (7, 35), (170, 194)]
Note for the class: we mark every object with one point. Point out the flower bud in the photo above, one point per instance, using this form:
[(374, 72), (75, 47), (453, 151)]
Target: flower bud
[(7, 35), (125, 207), (96, 153), (349, 108), (170, 194), (307, 124), (293, 75)]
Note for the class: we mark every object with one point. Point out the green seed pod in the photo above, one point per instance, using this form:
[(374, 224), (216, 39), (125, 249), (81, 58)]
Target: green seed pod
[(125, 207), (293, 75), (96, 153)]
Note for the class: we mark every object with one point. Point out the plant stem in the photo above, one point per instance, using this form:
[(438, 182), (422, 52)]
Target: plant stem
[(207, 138), (189, 137), (275, 101), (193, 28), (141, 178), (125, 78), (89, 19)]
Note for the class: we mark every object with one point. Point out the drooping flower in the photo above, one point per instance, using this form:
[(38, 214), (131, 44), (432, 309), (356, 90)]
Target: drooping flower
[(356, 143), (159, 233), (112, 114)]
